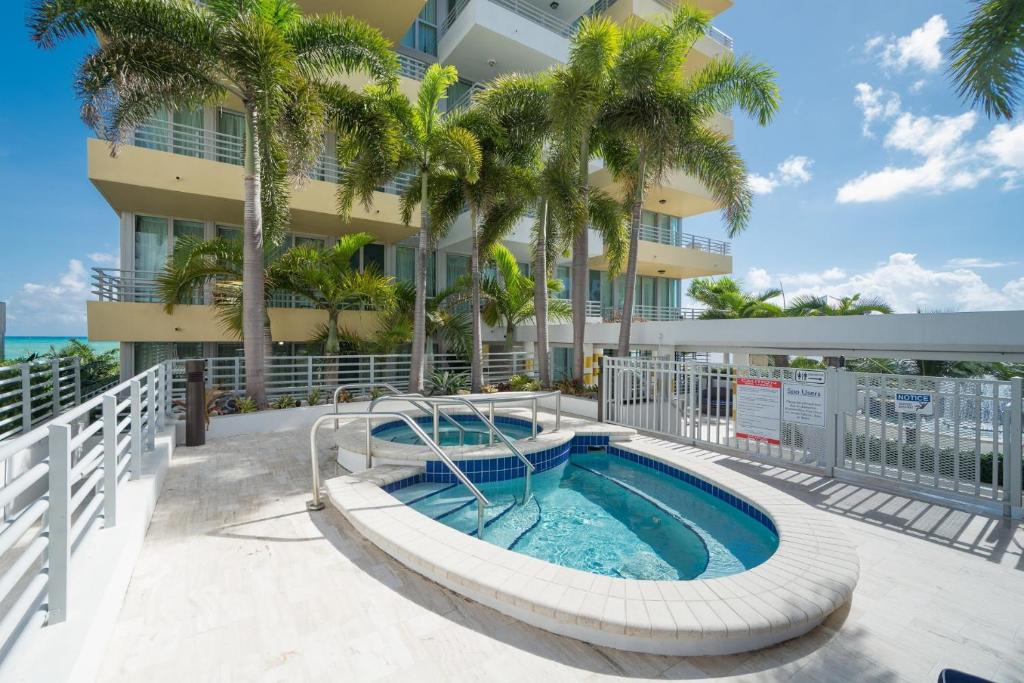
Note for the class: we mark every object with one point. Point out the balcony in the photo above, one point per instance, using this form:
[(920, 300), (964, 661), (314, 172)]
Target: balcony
[(671, 253), (490, 37), (613, 314), (128, 308), (172, 169), (675, 238)]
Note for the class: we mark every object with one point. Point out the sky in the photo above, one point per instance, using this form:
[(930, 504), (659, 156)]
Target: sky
[(873, 178)]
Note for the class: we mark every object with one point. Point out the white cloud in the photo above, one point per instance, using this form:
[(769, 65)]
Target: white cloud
[(918, 86), (904, 283), (920, 48), (975, 262), (949, 161), (55, 307), (876, 104), (792, 171), (104, 259)]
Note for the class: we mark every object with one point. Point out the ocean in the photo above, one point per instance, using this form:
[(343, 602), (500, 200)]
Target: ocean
[(19, 347)]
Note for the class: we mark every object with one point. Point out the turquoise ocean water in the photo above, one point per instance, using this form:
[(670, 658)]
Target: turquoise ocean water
[(18, 347)]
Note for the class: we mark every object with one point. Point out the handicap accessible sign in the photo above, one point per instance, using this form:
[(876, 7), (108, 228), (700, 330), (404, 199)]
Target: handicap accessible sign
[(914, 404)]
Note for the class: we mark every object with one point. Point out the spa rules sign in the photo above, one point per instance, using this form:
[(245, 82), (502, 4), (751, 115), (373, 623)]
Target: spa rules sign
[(758, 409)]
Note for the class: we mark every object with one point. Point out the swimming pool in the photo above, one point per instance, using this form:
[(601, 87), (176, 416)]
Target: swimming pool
[(609, 516), (449, 434)]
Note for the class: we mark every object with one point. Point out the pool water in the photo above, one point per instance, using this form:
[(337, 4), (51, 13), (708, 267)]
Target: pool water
[(449, 434), (608, 516)]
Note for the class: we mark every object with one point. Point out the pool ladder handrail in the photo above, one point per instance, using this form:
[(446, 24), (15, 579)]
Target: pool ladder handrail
[(391, 388), (317, 504), (435, 401)]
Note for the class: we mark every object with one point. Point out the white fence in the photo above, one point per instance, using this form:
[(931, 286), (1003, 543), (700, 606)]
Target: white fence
[(31, 393), (298, 376), (962, 438), (60, 480)]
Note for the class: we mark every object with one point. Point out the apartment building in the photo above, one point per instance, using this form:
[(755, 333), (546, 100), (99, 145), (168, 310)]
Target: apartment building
[(180, 175)]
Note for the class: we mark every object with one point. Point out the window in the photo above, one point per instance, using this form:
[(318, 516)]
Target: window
[(370, 256), (150, 243), (561, 361), (405, 268), (231, 132), (422, 35), (456, 266), (180, 131), (564, 273), (229, 232)]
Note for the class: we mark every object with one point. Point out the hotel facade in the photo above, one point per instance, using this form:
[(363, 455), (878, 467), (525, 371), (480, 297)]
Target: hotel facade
[(180, 174)]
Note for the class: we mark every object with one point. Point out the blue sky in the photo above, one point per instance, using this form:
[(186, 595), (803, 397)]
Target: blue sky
[(864, 93)]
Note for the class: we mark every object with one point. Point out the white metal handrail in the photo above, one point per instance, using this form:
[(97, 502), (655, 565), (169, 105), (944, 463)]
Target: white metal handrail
[(36, 391), (435, 401), (59, 479), (317, 504), (411, 67), (675, 238), (395, 392)]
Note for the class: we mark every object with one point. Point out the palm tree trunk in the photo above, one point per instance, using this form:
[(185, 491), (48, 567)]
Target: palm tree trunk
[(253, 304), (540, 297), (625, 327), (580, 245), (419, 316), (476, 353), (510, 336)]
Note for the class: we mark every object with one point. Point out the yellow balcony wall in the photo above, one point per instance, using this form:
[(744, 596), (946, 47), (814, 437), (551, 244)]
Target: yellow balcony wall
[(145, 322), (663, 260), (166, 184), (392, 17)]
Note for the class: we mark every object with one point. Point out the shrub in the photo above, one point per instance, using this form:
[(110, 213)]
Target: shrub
[(313, 397), (490, 389), (447, 383), (286, 401), (246, 405)]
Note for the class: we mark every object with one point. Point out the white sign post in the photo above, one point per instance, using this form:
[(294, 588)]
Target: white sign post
[(758, 406), (804, 404)]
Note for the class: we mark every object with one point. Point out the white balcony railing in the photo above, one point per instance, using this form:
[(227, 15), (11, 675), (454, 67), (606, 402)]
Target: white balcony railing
[(675, 238), (548, 20), (200, 143), (411, 67), (642, 313)]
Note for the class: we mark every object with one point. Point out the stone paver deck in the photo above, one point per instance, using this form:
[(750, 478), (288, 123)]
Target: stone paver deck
[(237, 582)]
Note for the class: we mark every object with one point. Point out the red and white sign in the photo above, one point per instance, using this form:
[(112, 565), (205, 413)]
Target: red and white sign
[(758, 409)]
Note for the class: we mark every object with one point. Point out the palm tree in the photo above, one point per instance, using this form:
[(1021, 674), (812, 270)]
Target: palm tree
[(654, 122), (847, 305), (327, 279), (579, 92), (445, 321), (987, 64), (160, 54), (383, 134), (508, 296), (725, 299)]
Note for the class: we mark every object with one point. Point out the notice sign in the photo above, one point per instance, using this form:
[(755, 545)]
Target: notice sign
[(804, 404), (758, 405), (914, 404), (810, 376)]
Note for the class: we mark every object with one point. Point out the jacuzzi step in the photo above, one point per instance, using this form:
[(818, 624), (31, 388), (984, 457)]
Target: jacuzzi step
[(420, 491), (513, 524), (465, 519)]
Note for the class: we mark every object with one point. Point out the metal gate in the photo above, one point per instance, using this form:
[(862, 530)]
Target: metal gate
[(696, 402), (966, 444), (967, 441)]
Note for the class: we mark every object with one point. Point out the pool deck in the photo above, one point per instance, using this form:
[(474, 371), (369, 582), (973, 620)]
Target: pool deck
[(237, 581)]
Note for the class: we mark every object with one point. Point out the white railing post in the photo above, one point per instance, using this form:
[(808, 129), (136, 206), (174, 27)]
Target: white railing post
[(55, 370), (58, 521), (76, 364), (26, 398), (829, 457), (1013, 450), (135, 425), (109, 460), (309, 374), (150, 408), (373, 369)]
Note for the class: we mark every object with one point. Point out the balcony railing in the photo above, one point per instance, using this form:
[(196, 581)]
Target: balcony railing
[(675, 238), (141, 286), (714, 34), (411, 67), (200, 143), (548, 20), (613, 314)]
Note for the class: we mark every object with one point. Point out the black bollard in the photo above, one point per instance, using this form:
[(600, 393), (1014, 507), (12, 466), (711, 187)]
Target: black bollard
[(195, 403)]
